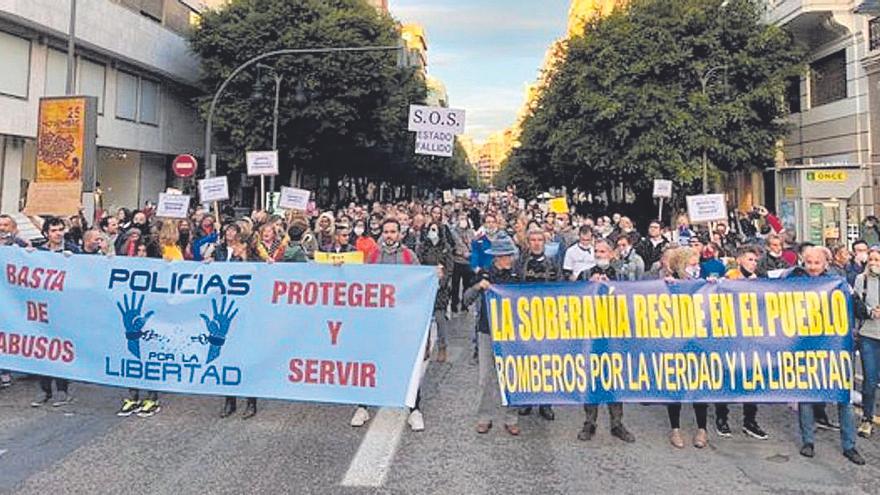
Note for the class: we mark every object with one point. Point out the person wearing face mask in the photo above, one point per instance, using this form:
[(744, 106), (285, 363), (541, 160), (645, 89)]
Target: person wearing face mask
[(535, 267), (206, 238), (747, 266), (603, 271), (867, 287), (435, 252), (502, 271), (462, 237), (480, 259), (859, 261), (870, 230), (363, 242), (684, 264), (772, 259), (629, 265)]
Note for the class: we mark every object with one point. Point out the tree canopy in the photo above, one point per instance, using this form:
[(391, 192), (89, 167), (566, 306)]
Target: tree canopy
[(341, 114), (627, 103)]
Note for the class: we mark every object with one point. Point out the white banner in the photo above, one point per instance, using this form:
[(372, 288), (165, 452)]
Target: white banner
[(173, 205), (213, 189), (262, 162)]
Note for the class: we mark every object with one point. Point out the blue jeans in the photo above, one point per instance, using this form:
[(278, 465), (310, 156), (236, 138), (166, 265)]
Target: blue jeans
[(847, 424), (870, 351)]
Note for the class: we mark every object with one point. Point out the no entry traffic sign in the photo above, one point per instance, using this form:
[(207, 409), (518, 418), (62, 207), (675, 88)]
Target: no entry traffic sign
[(184, 166)]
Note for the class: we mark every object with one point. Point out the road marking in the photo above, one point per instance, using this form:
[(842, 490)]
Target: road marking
[(373, 459), (3, 451)]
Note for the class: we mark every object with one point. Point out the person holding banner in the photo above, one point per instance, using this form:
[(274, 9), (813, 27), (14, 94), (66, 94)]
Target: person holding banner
[(867, 287), (392, 252), (816, 260), (603, 271), (746, 269), (53, 231), (269, 246), (685, 265), (502, 271), (169, 237), (341, 244), (233, 249), (535, 266)]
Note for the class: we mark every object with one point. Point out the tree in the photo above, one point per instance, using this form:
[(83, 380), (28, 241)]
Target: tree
[(341, 114), (627, 104)]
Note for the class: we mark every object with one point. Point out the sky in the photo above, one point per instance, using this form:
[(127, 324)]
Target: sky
[(486, 51)]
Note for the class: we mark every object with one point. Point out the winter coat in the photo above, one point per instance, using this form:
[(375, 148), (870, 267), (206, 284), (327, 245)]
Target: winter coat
[(439, 254)]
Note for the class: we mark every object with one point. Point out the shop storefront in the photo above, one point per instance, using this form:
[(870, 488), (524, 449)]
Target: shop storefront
[(820, 203)]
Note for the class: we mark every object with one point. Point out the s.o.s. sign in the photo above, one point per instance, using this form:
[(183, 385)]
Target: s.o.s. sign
[(436, 119)]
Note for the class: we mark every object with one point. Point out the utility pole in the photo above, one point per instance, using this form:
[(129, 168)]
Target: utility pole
[(705, 78), (70, 88)]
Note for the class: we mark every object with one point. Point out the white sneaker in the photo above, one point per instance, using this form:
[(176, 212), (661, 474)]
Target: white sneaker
[(416, 421), (361, 416)]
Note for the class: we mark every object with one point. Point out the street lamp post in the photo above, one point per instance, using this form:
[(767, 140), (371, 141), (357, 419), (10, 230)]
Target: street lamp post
[(278, 78), (705, 78), (209, 122)]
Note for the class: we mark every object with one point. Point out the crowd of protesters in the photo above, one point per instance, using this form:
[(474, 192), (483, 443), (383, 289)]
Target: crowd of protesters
[(475, 244)]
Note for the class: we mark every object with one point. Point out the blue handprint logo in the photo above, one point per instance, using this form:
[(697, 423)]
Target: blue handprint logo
[(218, 326), (133, 322)]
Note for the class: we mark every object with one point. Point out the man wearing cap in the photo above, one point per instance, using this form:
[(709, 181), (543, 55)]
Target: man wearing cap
[(536, 267), (502, 271)]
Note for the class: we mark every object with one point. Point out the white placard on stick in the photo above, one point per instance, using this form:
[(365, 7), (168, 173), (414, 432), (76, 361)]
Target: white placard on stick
[(262, 162), (448, 197), (662, 188), (214, 189), (705, 208), (173, 205), (294, 199)]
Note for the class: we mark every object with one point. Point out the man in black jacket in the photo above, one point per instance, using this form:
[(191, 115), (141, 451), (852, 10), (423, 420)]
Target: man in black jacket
[(535, 267), (651, 248)]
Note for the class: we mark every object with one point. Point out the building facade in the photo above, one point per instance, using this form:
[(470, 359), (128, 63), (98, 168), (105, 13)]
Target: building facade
[(130, 54), (827, 167)]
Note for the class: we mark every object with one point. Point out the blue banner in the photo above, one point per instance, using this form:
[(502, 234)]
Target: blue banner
[(305, 332), (685, 341)]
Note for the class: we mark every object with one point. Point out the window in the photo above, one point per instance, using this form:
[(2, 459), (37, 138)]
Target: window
[(874, 33), (828, 79), (56, 73), (15, 59), (126, 96), (149, 102), (91, 81), (793, 94)]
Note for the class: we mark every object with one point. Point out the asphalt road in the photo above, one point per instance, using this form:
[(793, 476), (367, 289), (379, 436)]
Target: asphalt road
[(299, 448)]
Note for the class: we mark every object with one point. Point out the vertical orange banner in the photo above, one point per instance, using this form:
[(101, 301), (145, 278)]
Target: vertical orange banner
[(60, 140)]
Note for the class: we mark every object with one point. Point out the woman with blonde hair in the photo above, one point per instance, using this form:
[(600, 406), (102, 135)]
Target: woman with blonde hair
[(268, 245), (684, 264), (169, 238)]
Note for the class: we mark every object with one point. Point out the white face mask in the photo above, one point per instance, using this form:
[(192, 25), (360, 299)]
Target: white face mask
[(462, 224), (862, 257), (433, 236), (624, 252), (359, 231), (603, 263), (693, 271), (875, 270)]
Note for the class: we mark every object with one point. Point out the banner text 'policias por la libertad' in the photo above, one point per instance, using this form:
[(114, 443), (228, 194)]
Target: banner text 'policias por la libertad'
[(307, 332), (652, 341)]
